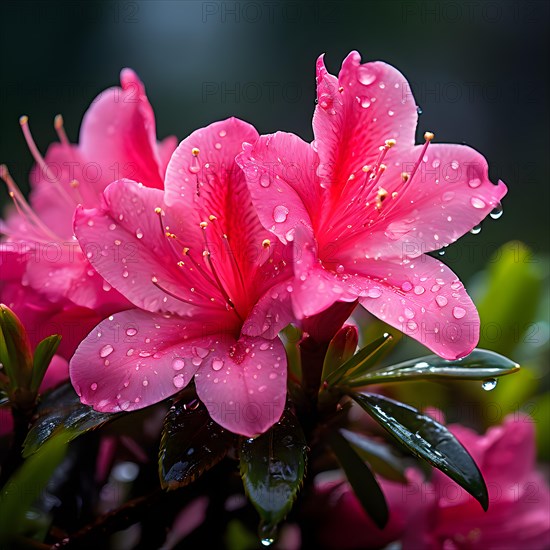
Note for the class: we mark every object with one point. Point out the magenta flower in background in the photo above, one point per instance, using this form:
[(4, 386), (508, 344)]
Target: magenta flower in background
[(337, 510), (210, 290), (40, 255), (363, 205), (519, 497)]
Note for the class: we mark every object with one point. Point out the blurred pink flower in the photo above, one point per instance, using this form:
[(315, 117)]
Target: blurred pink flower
[(57, 372), (53, 276), (363, 205), (343, 524), (519, 497), (209, 287)]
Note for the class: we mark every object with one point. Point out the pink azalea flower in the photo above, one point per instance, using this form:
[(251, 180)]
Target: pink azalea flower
[(519, 497), (117, 139), (210, 290), (363, 205), (337, 511)]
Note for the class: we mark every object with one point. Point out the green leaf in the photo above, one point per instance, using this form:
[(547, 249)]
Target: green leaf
[(479, 365), (191, 444), (272, 468), (15, 349), (340, 349), (361, 479), (43, 354), (62, 414), (26, 485), (291, 336), (508, 306), (426, 439), (363, 360), (380, 457)]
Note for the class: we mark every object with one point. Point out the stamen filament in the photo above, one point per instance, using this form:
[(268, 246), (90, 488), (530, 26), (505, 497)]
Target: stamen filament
[(23, 206), (39, 159), (58, 125)]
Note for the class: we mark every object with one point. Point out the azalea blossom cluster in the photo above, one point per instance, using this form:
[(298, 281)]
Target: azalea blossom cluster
[(184, 262)]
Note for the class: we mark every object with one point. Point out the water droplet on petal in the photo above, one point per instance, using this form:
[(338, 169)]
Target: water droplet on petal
[(406, 286), (419, 290), (374, 292), (217, 364), (194, 167), (458, 312), (476, 202), (474, 183), (265, 179), (409, 313), (139, 233), (178, 364), (178, 380), (489, 384), (105, 351), (93, 386), (365, 75), (441, 300), (131, 331), (280, 213)]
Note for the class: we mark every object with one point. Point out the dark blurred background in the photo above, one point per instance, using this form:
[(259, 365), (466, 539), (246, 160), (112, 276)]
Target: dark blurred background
[(478, 70)]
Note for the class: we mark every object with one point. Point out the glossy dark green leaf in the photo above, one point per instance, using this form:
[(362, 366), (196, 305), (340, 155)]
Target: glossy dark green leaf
[(43, 354), (361, 479), (426, 439), (479, 365), (380, 457), (61, 413), (340, 349), (25, 486), (362, 361), (272, 468), (191, 443)]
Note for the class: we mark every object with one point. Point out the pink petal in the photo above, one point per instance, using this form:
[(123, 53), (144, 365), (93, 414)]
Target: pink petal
[(271, 313), (124, 241), (210, 187), (135, 359), (426, 301), (243, 384), (341, 512), (315, 288), (66, 165), (370, 104), (449, 195), (280, 170), (118, 132)]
